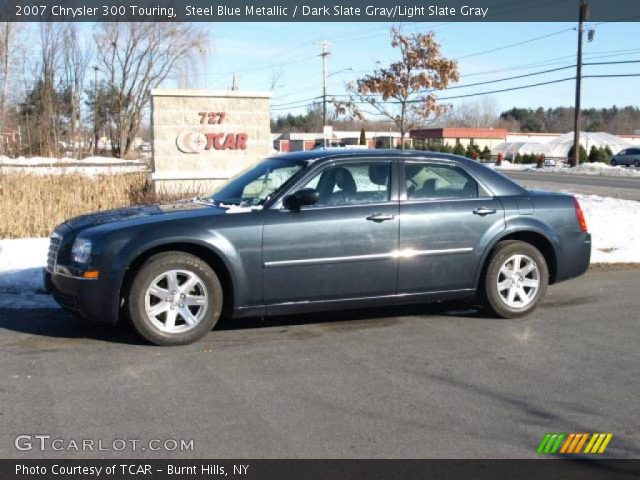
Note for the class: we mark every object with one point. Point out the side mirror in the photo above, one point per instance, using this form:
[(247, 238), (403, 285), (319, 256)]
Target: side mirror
[(301, 198)]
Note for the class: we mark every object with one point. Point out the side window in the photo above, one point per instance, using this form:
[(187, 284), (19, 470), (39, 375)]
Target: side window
[(623, 152), (426, 181), (354, 184)]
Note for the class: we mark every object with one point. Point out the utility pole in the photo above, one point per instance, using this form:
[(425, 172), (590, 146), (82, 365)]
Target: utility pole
[(324, 55), (96, 134), (584, 15), (234, 82)]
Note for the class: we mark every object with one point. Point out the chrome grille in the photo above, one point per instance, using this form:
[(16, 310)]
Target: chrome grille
[(54, 245)]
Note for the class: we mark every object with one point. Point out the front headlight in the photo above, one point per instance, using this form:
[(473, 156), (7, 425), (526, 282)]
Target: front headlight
[(81, 250)]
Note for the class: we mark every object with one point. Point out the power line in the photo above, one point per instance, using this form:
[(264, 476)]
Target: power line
[(301, 103), (524, 42)]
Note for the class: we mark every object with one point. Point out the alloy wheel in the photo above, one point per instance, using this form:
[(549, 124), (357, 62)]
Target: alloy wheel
[(518, 281), (176, 301)]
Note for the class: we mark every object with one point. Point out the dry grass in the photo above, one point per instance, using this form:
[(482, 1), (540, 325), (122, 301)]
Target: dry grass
[(31, 205)]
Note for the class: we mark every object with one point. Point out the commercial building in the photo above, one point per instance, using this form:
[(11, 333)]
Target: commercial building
[(482, 137)]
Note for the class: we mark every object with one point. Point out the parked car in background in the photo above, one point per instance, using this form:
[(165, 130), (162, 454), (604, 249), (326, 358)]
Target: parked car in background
[(321, 230), (628, 157)]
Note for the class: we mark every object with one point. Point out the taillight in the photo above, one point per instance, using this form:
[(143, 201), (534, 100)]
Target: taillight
[(580, 215)]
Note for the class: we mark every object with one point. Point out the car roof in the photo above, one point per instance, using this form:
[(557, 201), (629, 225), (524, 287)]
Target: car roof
[(498, 183)]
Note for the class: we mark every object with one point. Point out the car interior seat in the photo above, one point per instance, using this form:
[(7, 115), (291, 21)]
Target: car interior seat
[(342, 179)]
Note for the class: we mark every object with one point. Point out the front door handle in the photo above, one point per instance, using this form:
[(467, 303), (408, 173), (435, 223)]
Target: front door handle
[(379, 217), (482, 211)]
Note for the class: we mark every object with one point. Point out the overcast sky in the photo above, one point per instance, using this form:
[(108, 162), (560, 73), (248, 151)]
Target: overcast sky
[(254, 51)]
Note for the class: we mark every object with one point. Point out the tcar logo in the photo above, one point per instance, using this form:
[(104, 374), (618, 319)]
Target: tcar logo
[(573, 443), (191, 142), (197, 142)]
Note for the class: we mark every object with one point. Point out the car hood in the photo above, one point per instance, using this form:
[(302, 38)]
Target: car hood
[(146, 213)]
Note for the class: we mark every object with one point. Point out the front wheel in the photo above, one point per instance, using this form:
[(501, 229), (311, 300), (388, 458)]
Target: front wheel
[(636, 163), (516, 279), (175, 299)]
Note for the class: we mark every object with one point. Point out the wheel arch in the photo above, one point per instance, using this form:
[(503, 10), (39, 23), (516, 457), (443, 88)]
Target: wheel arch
[(534, 236), (213, 258)]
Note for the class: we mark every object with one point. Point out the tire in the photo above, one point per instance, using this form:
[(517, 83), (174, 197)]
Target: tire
[(613, 162), (636, 163), (509, 299), (175, 299)]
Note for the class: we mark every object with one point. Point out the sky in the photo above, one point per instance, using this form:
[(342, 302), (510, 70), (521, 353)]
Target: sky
[(258, 52)]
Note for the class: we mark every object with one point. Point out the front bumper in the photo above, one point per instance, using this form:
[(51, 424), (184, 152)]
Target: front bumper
[(92, 299)]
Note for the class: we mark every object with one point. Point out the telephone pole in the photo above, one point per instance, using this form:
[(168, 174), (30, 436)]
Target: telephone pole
[(324, 55), (584, 15)]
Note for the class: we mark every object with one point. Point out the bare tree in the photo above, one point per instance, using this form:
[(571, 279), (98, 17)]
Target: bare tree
[(76, 60), (8, 32), (51, 41), (277, 72), (136, 57), (404, 92), (474, 114)]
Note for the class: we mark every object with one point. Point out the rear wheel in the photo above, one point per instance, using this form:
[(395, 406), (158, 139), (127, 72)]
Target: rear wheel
[(636, 163), (613, 162), (516, 279), (175, 299)]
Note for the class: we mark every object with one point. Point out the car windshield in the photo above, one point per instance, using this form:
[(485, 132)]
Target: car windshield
[(259, 183)]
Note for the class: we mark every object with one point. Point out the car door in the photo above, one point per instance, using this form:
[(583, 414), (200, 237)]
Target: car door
[(342, 247), (446, 218)]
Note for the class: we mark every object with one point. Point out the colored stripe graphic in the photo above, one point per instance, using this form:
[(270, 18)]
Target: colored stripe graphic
[(598, 443), (573, 443)]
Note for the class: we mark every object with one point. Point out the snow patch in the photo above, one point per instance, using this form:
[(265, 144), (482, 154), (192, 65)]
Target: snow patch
[(596, 168), (615, 228)]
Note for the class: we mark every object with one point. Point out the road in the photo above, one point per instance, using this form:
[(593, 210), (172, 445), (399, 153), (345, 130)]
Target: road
[(619, 187), (418, 382)]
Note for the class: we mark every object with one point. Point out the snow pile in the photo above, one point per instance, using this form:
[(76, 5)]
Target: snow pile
[(90, 166), (35, 161), (596, 168), (614, 225), (21, 263), (615, 228)]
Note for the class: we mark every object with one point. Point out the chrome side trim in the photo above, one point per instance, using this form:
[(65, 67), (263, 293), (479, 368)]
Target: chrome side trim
[(318, 261), (405, 253)]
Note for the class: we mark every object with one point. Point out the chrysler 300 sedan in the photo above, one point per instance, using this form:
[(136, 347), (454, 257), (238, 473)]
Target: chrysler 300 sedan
[(320, 230)]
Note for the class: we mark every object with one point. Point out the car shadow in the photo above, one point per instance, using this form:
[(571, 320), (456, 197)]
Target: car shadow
[(57, 323)]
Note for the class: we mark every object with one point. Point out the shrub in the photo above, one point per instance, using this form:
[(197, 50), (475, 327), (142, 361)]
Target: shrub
[(459, 149)]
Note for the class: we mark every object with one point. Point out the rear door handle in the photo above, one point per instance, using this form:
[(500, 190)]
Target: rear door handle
[(379, 217), (482, 211)]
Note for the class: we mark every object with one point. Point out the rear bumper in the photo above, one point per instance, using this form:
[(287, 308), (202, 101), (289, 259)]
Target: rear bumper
[(575, 257), (91, 299)]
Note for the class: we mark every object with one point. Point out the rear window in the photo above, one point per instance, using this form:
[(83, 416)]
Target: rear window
[(425, 181)]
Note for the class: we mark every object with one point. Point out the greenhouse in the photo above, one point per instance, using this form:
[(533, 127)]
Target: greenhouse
[(558, 148), (509, 150)]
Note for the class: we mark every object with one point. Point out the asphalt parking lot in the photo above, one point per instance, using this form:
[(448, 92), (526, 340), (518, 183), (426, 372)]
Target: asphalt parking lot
[(418, 382)]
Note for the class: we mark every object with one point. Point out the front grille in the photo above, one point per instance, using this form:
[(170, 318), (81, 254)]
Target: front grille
[(54, 245)]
